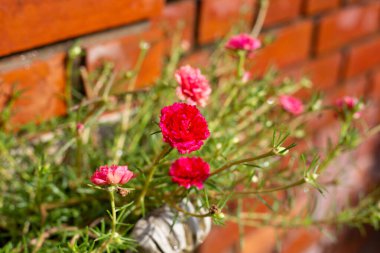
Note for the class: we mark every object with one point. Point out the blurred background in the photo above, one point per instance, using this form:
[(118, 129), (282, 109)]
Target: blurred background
[(336, 43)]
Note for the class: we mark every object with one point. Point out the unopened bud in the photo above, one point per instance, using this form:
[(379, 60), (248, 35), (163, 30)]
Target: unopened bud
[(214, 209), (80, 128), (219, 216), (281, 150), (144, 45), (185, 45), (75, 51), (122, 191)]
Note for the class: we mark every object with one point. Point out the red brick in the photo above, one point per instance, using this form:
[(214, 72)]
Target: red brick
[(42, 90), (262, 240), (229, 233), (31, 23), (199, 59), (353, 1), (178, 18), (316, 6), (291, 45), (323, 71), (363, 57), (123, 53), (375, 86), (356, 87), (282, 10), (344, 26), (217, 17), (300, 240)]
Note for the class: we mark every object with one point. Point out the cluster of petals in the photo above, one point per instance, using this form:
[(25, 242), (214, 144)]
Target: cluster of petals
[(291, 104), (348, 103), (183, 127), (189, 171), (243, 42), (112, 175), (193, 86)]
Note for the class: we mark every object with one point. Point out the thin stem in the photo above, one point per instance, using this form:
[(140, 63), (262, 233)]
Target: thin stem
[(229, 165), (113, 209), (235, 90), (264, 5), (120, 141), (281, 221), (105, 244), (151, 170), (179, 209), (79, 155), (275, 189), (331, 156), (240, 66)]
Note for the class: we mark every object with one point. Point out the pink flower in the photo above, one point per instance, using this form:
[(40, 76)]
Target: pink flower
[(189, 172), (194, 87), (243, 42), (111, 175), (246, 77), (80, 127), (291, 104), (183, 127), (347, 103)]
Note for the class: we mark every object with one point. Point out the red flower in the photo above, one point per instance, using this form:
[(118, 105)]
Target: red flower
[(291, 104), (183, 127), (111, 175), (189, 172), (243, 42), (194, 87)]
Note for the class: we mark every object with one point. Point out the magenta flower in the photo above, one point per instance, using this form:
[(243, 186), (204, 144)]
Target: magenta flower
[(347, 103), (112, 175), (291, 104), (243, 42), (183, 127), (80, 127), (189, 172), (194, 87)]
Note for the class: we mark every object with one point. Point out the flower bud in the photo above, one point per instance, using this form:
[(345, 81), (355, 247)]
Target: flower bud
[(219, 216), (280, 150), (75, 51)]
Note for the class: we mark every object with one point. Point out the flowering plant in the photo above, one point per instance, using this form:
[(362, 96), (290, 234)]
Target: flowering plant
[(236, 139)]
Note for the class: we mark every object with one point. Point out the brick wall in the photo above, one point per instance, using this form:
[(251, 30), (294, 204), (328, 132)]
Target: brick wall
[(335, 42)]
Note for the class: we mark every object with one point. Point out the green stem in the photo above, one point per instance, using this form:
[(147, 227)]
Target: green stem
[(240, 66), (113, 209), (235, 89), (125, 116), (275, 189), (151, 170), (79, 156), (229, 165), (264, 5), (179, 209), (105, 244)]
